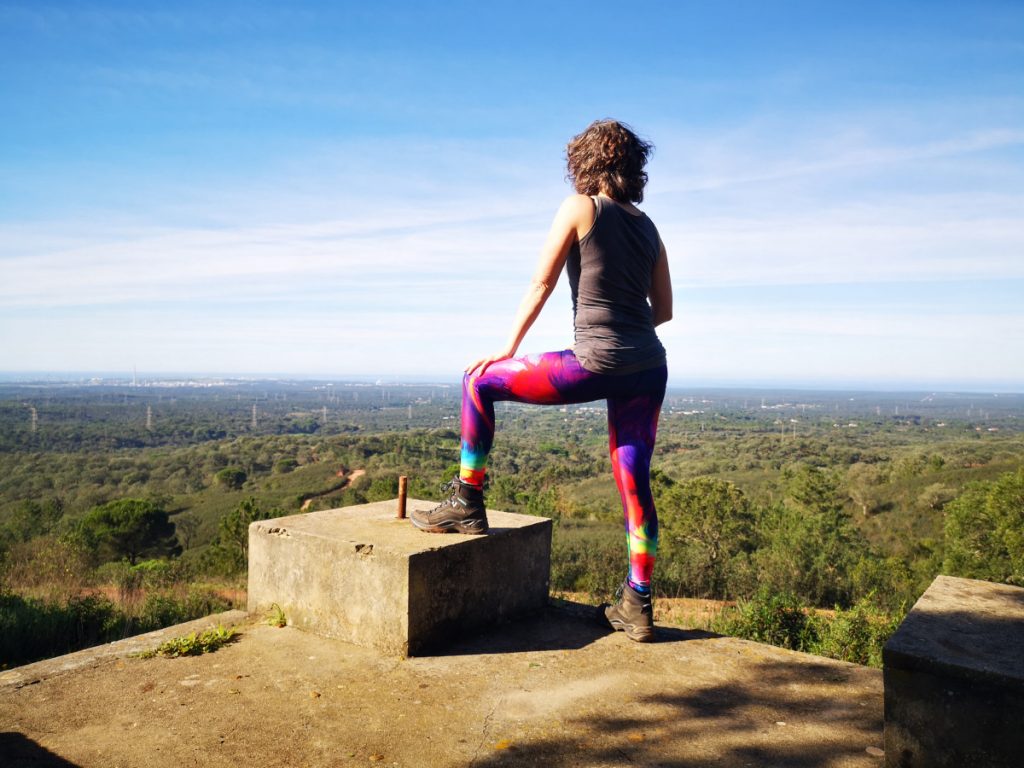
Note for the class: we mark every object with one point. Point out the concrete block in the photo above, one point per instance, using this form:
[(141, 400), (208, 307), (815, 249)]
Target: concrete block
[(954, 678), (361, 575)]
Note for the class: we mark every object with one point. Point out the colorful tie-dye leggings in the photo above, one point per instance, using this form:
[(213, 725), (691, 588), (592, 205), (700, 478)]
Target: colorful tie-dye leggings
[(557, 378)]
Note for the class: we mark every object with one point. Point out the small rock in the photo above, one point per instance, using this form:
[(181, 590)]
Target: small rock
[(376, 757), (314, 694), (779, 722), (875, 752)]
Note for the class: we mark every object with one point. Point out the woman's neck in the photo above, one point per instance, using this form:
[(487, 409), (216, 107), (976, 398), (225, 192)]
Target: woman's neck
[(627, 205)]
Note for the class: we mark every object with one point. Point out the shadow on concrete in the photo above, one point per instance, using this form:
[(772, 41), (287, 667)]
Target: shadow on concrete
[(785, 715), (18, 750), (563, 626), (974, 644)]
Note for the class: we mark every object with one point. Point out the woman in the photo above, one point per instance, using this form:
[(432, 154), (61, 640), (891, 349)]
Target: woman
[(621, 290)]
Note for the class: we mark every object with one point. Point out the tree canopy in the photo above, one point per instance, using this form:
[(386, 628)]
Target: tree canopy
[(131, 528), (985, 531), (707, 525)]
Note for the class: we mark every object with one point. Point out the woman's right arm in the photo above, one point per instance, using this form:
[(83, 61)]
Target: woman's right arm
[(574, 217), (660, 295)]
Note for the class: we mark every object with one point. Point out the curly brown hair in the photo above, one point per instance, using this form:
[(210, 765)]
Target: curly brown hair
[(608, 156)]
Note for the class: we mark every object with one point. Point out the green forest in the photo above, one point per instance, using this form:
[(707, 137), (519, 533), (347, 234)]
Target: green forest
[(814, 518)]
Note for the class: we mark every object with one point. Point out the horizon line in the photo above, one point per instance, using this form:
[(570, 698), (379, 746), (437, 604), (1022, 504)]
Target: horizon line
[(116, 377)]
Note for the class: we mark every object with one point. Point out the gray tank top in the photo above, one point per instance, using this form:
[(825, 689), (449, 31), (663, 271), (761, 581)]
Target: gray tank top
[(610, 276)]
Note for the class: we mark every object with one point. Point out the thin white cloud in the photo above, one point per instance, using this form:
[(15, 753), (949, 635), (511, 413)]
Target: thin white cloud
[(249, 262), (396, 281), (822, 326), (844, 247), (841, 153), (252, 262)]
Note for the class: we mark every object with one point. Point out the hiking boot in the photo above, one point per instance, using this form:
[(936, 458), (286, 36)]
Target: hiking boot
[(633, 614), (462, 512)]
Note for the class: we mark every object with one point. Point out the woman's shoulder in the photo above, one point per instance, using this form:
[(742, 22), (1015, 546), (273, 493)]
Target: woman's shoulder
[(577, 204), (577, 213)]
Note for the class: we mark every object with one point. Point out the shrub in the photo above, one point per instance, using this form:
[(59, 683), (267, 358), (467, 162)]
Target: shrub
[(587, 558), (808, 545), (229, 552), (161, 610), (231, 477), (858, 633), (383, 488), (777, 619), (33, 629), (47, 566)]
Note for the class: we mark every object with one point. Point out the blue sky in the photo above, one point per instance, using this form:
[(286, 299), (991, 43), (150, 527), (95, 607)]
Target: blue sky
[(362, 188)]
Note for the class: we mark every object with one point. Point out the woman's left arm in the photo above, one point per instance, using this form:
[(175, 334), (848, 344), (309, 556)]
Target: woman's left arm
[(575, 214), (661, 288)]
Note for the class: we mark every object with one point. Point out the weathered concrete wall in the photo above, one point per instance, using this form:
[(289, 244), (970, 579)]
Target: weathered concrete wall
[(360, 574), (954, 678)]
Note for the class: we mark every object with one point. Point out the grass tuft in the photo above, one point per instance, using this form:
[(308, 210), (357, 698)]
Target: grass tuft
[(193, 644), (276, 617)]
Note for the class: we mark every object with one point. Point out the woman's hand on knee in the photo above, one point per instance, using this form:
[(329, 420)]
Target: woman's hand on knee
[(478, 367)]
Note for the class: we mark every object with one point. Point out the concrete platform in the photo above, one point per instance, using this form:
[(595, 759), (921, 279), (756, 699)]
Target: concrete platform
[(362, 575), (555, 690), (954, 678)]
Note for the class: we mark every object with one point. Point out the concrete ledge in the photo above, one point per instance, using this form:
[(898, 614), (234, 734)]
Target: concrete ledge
[(547, 691), (361, 575), (69, 662), (954, 678)]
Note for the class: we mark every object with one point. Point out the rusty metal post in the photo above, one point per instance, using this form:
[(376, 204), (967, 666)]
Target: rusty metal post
[(403, 483)]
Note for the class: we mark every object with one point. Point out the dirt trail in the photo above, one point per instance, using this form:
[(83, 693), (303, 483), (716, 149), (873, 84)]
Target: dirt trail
[(355, 473)]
